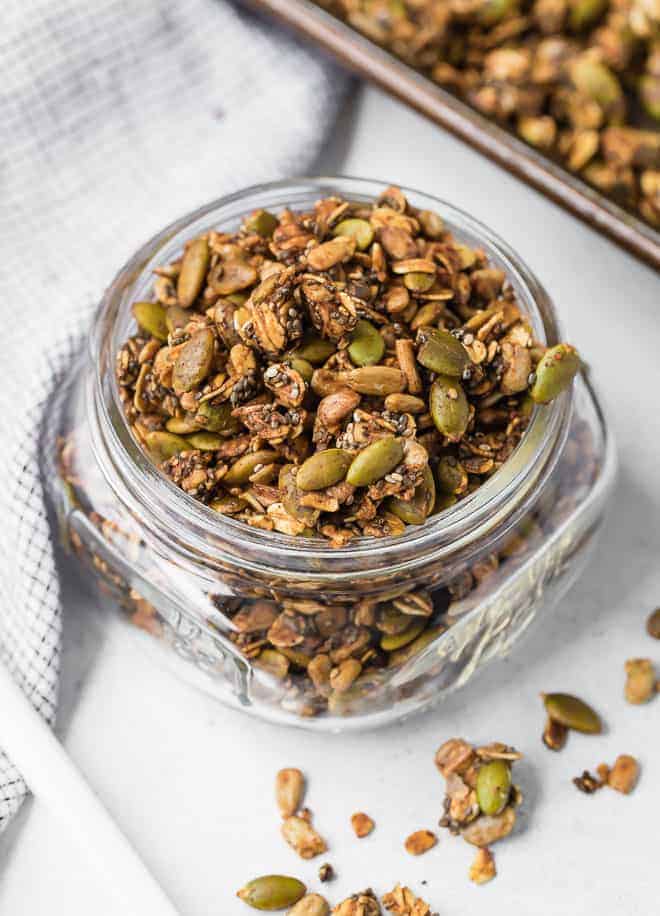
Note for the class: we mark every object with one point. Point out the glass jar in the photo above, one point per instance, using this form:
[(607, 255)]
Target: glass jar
[(206, 587)]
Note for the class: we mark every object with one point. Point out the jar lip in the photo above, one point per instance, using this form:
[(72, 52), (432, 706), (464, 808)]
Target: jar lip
[(208, 533)]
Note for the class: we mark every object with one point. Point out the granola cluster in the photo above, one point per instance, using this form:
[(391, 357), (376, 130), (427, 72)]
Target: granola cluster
[(341, 372), (577, 79)]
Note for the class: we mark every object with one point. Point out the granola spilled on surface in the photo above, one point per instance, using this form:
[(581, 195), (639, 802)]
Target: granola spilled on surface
[(342, 372), (578, 80)]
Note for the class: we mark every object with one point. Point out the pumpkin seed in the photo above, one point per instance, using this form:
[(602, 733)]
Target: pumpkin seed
[(162, 445), (151, 316), (236, 275), (493, 786), (443, 353), (303, 367), (291, 497), (243, 468), (583, 13), (375, 380), (367, 345), (405, 653), (228, 505), (358, 229), (573, 713), (262, 222), (392, 641), (176, 317), (193, 272), (418, 282), (375, 461), (431, 223), (182, 425), (217, 418), (449, 407), (452, 476), (596, 81), (416, 510), (194, 361), (316, 350), (272, 892), (323, 469), (555, 372), (205, 441)]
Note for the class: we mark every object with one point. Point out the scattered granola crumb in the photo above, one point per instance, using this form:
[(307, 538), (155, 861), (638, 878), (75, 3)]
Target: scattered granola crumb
[(624, 774), (362, 904), (640, 680), (420, 842), (653, 624), (554, 735), (483, 868), (362, 824), (302, 837), (402, 902), (587, 783), (326, 872)]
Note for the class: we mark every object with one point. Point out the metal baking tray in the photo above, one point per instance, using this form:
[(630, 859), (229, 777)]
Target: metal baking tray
[(366, 58)]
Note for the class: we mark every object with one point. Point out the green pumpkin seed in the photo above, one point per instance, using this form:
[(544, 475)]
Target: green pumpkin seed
[(443, 501), (237, 298), (244, 467), (596, 81), (303, 367), (441, 352), (449, 407), (367, 345), (375, 461), (416, 510), (493, 11), (649, 95), (378, 381), (452, 476), (493, 786), (555, 372), (262, 222), (217, 418), (291, 497), (584, 13), (272, 892), (358, 229), (176, 317), (572, 712), (194, 361), (182, 425), (389, 642), (316, 350), (205, 442), (418, 282), (405, 653), (193, 272), (323, 469), (151, 317), (164, 445), (228, 505)]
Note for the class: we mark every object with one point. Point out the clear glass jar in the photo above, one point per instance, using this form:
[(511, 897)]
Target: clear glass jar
[(197, 582)]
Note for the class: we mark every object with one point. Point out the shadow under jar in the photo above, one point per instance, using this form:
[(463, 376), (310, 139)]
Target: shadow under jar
[(206, 587)]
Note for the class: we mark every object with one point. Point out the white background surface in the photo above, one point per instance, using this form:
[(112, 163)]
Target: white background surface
[(191, 782)]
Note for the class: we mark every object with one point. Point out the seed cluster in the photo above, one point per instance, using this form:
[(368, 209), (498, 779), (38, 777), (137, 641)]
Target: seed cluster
[(577, 79), (341, 372)]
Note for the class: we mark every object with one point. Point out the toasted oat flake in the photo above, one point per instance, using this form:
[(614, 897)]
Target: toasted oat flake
[(420, 842), (362, 824)]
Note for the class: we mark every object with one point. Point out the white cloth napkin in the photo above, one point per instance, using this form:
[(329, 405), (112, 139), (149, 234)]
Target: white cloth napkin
[(116, 117)]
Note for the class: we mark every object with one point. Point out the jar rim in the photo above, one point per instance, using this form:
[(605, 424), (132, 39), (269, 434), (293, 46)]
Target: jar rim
[(202, 533)]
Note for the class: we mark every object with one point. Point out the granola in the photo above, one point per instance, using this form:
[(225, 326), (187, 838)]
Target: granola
[(576, 79), (402, 902), (336, 373)]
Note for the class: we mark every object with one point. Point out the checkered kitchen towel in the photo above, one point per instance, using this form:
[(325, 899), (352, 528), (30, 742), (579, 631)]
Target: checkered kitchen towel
[(116, 117)]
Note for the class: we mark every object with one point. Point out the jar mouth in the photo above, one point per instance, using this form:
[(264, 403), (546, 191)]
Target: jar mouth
[(170, 513)]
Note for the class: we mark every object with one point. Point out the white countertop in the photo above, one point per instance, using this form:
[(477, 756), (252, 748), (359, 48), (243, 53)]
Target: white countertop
[(191, 783)]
